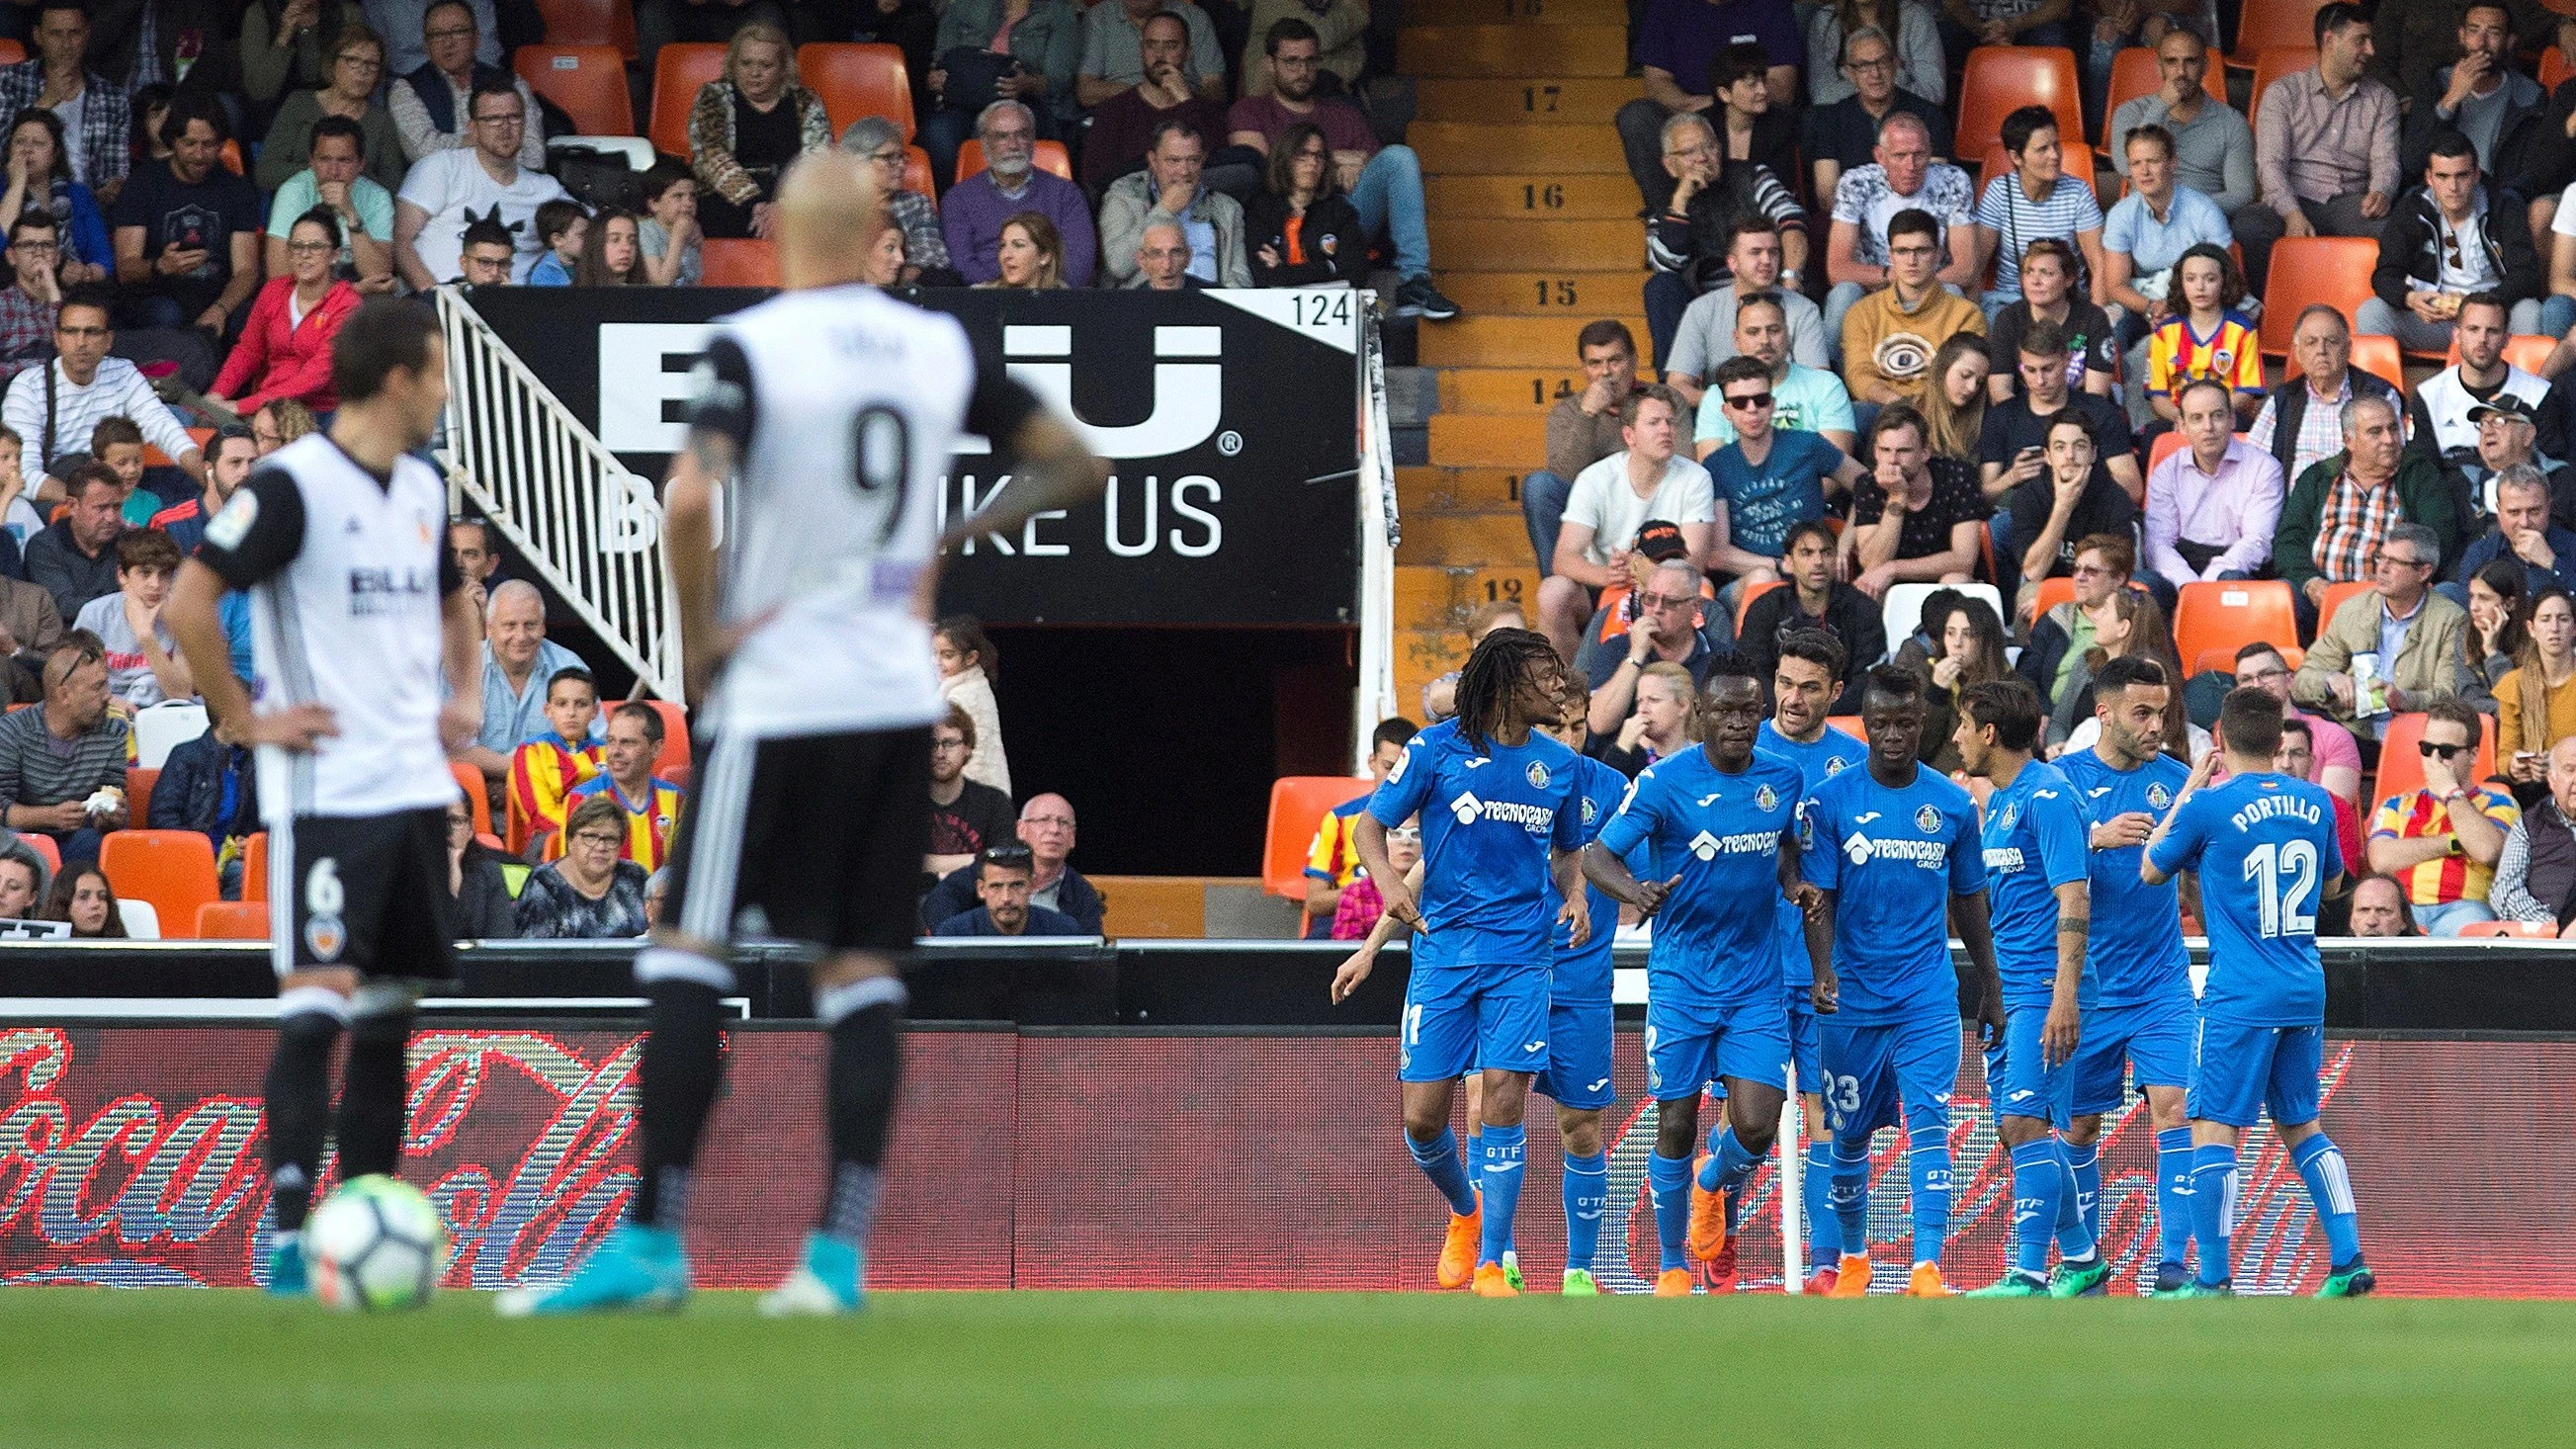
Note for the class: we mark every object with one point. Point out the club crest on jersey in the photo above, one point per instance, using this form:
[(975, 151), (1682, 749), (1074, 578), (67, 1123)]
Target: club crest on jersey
[(1833, 766), (1927, 820), (1767, 798), (232, 524), (2159, 796), (1591, 812), (2012, 812), (1536, 774)]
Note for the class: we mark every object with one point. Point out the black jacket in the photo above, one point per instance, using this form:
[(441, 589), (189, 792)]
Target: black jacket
[(1335, 246), (2292, 405), (190, 792), (1850, 616), (2410, 246), (2525, 104), (955, 896)]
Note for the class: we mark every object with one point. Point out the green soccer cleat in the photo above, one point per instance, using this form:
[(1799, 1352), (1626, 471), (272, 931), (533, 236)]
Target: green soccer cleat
[(1579, 1284), (2197, 1289), (1512, 1268), (287, 1277), (636, 1267), (2015, 1284), (2089, 1279), (2353, 1280)]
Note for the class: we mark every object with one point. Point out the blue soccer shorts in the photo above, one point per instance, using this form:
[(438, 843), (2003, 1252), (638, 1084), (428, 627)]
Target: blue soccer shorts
[(2238, 1070), (1578, 1056), (2152, 1037), (1806, 1041), (1688, 1047), (1457, 1018), (1872, 1071), (2019, 1080)]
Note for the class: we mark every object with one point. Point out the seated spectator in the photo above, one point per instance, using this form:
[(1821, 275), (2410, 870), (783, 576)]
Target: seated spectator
[(429, 104), (1582, 429), (1677, 47), (2038, 199), (2379, 909), (187, 230), (965, 816), (1705, 336), (1661, 720), (2145, 235), (2131, 625), (2334, 755), (348, 93), (1163, 260), (974, 210), (1123, 127), (519, 666), (476, 880), (2325, 151), (2302, 425), (612, 252), (648, 804), (1954, 402), (2496, 596), (2535, 874), (1859, 73), (118, 443), (2457, 236), (2209, 149), (969, 666), (143, 663), (1047, 829), (2479, 94), (591, 894), (1810, 599), (1113, 50), (562, 227), (29, 628), (670, 237), (1751, 125), (1769, 478), (361, 212), (1610, 501), (2396, 648), (1030, 256), (1357, 906), (285, 348), (1958, 645), (885, 264), (34, 295), (22, 882), (486, 257), (2296, 758), (1889, 336), (1303, 232), (2437, 416), (41, 184), (1003, 882), (2508, 438), (1169, 190), (1341, 28), (545, 769), (2092, 364), (2522, 530), (925, 248), (1967, 24), (74, 559), (1690, 243), (82, 896), (1918, 517), (2211, 506), (2536, 699), (2104, 566), (1672, 626), (993, 50), (448, 193), (2012, 446), (2444, 855), (211, 786), (746, 127), (1901, 176), (284, 420), (59, 76), (2204, 337), (2340, 512), (58, 757), (1806, 398), (1332, 859)]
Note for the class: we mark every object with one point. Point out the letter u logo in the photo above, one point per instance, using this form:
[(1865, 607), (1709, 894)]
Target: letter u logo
[(1189, 397)]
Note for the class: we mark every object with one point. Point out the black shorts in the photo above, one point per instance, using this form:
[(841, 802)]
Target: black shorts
[(368, 891), (813, 838)]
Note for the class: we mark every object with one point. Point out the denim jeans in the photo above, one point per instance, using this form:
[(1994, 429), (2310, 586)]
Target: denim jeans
[(2449, 917), (2557, 315), (1543, 496), (1389, 201), (2375, 318)]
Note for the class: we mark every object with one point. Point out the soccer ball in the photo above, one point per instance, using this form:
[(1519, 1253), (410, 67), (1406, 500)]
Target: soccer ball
[(377, 1243)]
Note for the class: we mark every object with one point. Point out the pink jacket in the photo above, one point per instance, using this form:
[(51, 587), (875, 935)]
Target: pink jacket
[(275, 359)]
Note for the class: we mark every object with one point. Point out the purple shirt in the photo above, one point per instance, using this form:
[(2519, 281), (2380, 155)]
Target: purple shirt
[(2239, 506), (972, 213), (1681, 37), (1343, 128)]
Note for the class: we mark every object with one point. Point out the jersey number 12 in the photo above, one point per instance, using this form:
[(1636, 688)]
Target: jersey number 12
[(2285, 886)]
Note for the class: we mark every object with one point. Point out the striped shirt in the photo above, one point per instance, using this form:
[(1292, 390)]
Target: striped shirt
[(2309, 146), (2230, 353), (2006, 210), (1334, 858), (543, 773), (2416, 815), (2356, 518), (38, 769), (118, 390)]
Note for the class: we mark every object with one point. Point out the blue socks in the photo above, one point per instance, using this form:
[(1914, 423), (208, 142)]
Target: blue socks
[(1438, 1159), (2083, 1208), (1849, 1193), (1816, 1185), (1587, 1197), (2213, 1207), (2330, 1190), (2173, 1194), (1929, 1158), (1502, 1179), (2039, 1192), (1669, 1180)]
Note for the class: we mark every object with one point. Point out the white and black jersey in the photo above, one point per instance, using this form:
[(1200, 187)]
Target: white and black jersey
[(844, 406)]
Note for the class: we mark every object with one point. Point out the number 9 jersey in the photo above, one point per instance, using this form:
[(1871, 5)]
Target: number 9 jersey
[(844, 406), (2263, 846)]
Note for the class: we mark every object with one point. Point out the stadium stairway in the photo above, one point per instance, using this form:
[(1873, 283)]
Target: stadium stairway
[(1534, 232)]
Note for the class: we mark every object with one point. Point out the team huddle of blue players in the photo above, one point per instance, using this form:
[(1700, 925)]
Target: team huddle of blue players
[(1803, 890)]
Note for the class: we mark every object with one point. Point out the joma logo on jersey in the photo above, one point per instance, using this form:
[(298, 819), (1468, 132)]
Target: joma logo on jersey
[(1470, 809)]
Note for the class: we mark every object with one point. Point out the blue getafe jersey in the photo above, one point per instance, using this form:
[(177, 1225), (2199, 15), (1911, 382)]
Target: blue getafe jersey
[(1716, 937), (1582, 978), (1488, 824), (2135, 954), (1831, 754), (1893, 858), (2034, 842), (2264, 847)]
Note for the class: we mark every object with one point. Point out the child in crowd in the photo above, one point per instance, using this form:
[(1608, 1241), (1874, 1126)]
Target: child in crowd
[(562, 227), (2205, 337), (17, 516), (544, 771), (669, 234), (143, 663), (610, 255), (118, 443)]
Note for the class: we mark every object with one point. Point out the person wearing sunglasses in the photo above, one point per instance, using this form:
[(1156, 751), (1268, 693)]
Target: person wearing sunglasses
[(2397, 647), (2441, 840)]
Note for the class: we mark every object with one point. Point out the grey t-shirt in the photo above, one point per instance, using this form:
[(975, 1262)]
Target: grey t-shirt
[(2481, 119), (1707, 333), (655, 242), (2214, 155), (129, 673)]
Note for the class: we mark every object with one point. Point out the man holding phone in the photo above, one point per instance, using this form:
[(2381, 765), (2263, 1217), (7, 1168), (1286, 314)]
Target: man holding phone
[(2012, 450)]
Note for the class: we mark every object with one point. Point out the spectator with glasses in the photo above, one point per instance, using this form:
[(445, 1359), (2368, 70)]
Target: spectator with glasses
[(1005, 883), (1675, 624), (1360, 906), (2334, 756), (430, 104), (965, 816), (2442, 839), (33, 296), (348, 93), (2397, 647), (925, 250), (448, 191), (1047, 828), (591, 894), (2339, 512), (476, 878)]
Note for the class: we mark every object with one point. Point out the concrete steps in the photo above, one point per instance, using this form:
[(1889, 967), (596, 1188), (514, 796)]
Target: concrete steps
[(1433, 489), (1525, 13), (1549, 51), (1516, 441), (1561, 294), (1481, 245), (1543, 342), (1537, 196), (1510, 390), (1587, 101), (1468, 538), (1504, 146)]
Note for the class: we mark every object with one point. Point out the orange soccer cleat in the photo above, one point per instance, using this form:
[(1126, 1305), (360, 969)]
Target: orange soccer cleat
[(1851, 1279), (1707, 1219), (1673, 1283), (1926, 1283), (1458, 1253), (1491, 1283)]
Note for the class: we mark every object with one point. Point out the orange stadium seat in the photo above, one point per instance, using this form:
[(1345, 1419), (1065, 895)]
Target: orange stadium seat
[(673, 763), (478, 794), (1297, 806), (1051, 156), (2134, 73), (172, 869), (2526, 351), (1848, 723), (588, 81), (2275, 62), (254, 881), (2533, 930), (2220, 617), (2401, 766), (2001, 79), (916, 175), (232, 921), (44, 845), (2052, 592), (2554, 70), (138, 791), (2266, 24), (2077, 162), (590, 22), (2334, 270), (2379, 357), (857, 80), (2336, 594), (738, 262), (12, 52), (2223, 661), (1750, 592), (679, 71)]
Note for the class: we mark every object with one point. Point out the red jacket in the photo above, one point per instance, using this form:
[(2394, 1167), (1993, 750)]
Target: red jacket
[(274, 359)]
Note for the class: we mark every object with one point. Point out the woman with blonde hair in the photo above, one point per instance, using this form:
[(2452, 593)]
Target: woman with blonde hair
[(1031, 254), (1954, 401), (745, 129)]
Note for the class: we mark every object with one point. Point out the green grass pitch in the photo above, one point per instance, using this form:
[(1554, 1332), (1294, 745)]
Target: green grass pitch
[(200, 1370)]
